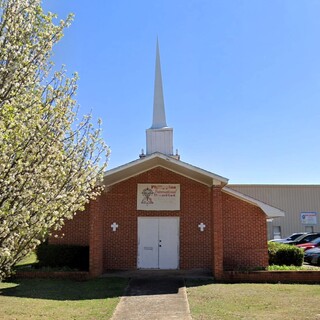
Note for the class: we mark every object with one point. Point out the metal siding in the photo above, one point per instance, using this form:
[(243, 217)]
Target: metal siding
[(293, 199)]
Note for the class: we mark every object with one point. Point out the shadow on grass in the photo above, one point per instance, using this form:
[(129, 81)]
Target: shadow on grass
[(198, 282), (62, 290)]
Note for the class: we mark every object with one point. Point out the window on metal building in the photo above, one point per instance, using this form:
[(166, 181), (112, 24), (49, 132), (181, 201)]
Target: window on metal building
[(309, 228), (276, 232)]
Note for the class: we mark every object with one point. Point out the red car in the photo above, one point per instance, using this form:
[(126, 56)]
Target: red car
[(310, 245)]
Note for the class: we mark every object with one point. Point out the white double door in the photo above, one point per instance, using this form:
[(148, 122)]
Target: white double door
[(158, 242)]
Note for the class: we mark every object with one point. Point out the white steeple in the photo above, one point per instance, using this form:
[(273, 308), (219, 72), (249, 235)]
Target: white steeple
[(159, 136), (159, 115)]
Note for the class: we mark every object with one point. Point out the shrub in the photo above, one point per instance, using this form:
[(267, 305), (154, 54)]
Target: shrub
[(284, 255), (74, 257)]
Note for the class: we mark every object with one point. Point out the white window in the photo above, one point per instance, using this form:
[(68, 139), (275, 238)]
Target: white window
[(309, 228), (276, 232)]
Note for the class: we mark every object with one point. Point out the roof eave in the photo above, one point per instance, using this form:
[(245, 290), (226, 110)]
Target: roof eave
[(159, 159), (271, 212)]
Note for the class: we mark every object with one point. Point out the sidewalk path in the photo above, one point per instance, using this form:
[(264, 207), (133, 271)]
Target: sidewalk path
[(155, 299)]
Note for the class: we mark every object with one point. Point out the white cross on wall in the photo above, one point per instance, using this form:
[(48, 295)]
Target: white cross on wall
[(201, 226), (114, 226)]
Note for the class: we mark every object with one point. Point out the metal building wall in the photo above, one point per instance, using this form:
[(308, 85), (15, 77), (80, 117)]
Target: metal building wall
[(293, 199)]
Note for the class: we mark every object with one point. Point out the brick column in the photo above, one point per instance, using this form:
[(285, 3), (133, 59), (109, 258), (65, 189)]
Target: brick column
[(217, 233), (96, 237)]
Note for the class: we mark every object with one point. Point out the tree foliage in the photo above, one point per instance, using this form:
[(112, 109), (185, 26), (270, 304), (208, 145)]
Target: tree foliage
[(50, 162)]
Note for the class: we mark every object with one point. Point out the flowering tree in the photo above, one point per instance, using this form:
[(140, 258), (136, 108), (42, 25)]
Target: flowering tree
[(50, 162)]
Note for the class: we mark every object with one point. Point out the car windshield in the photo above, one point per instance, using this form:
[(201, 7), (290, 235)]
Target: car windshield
[(316, 240), (301, 237), (294, 236)]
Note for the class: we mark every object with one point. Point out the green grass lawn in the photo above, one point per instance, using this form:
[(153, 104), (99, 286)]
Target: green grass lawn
[(60, 299), (96, 299), (253, 301), (29, 260)]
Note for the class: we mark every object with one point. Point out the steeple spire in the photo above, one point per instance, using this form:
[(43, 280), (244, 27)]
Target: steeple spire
[(159, 136), (159, 115)]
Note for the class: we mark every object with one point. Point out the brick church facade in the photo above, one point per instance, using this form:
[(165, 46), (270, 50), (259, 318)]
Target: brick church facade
[(159, 212)]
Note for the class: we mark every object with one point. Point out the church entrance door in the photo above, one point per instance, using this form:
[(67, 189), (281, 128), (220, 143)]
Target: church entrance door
[(158, 242)]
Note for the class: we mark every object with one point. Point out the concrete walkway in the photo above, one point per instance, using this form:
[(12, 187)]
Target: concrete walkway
[(155, 298)]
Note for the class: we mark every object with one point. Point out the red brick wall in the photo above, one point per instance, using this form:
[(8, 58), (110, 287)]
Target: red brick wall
[(233, 239), (75, 231), (96, 236), (121, 207), (217, 232), (244, 234)]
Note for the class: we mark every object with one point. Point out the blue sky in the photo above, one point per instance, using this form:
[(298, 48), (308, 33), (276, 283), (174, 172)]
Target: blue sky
[(241, 80)]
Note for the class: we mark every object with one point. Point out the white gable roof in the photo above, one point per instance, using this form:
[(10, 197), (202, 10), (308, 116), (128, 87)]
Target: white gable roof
[(157, 159)]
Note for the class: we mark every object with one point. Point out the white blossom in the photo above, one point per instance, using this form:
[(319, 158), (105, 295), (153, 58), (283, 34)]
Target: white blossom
[(49, 161)]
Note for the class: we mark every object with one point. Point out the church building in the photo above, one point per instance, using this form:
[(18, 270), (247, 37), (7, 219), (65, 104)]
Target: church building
[(159, 212)]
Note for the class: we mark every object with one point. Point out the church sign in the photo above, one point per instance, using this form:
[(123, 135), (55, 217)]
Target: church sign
[(158, 197)]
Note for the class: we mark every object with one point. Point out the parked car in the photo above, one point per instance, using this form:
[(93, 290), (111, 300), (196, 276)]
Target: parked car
[(310, 245), (304, 238), (312, 256), (290, 238)]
